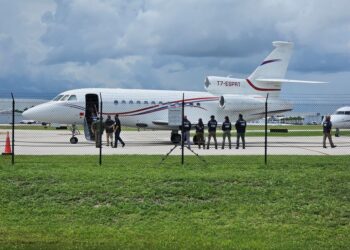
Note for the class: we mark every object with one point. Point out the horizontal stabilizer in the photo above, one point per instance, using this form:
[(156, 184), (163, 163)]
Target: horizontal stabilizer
[(286, 81)]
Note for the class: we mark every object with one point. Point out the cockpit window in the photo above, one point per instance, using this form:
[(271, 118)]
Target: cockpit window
[(347, 112), (64, 98), (340, 113), (72, 98), (57, 98)]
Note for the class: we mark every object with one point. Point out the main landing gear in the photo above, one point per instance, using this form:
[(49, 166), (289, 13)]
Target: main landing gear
[(175, 137)]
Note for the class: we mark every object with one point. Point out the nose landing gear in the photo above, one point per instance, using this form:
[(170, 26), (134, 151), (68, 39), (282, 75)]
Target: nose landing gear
[(73, 140), (75, 131)]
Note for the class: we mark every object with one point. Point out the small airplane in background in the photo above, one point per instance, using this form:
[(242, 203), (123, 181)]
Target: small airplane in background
[(341, 119), (225, 96)]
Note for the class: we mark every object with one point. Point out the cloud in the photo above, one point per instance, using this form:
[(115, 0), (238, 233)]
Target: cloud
[(66, 44), (13, 60), (77, 31)]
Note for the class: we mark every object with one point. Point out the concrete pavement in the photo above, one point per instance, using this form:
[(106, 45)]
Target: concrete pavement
[(56, 142)]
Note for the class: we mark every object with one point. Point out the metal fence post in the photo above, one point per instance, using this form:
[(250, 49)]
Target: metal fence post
[(182, 129), (101, 129), (267, 97), (13, 129)]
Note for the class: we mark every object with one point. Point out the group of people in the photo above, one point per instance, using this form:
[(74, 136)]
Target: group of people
[(111, 127), (226, 127), (114, 128)]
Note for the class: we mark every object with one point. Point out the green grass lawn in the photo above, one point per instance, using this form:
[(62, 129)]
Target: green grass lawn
[(130, 202)]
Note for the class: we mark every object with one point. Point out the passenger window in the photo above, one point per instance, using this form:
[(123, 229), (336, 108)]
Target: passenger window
[(160, 102), (198, 104), (145, 102), (153, 102), (123, 102), (131, 102), (138, 102), (116, 102), (72, 98)]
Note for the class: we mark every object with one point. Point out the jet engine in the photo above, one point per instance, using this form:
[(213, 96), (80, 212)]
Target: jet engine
[(241, 103)]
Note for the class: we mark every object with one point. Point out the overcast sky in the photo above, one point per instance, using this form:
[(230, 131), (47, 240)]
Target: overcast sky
[(50, 46)]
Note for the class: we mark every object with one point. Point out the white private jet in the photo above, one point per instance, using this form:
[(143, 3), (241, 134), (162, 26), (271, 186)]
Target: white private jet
[(149, 108), (341, 119)]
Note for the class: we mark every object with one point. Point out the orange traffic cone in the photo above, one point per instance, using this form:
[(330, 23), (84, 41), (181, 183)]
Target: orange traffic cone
[(7, 145)]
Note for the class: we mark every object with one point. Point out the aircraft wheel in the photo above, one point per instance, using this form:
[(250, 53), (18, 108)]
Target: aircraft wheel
[(175, 138), (73, 140)]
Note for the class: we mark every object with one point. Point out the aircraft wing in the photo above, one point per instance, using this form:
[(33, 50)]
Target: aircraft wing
[(160, 123), (274, 112), (286, 81), (165, 123)]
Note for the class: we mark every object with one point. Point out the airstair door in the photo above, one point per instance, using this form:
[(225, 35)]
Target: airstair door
[(91, 113)]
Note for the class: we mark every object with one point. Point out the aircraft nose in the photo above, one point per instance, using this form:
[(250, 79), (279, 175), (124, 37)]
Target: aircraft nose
[(34, 113), (29, 114), (334, 118)]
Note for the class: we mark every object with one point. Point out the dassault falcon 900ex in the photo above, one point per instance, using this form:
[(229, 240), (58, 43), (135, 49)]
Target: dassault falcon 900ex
[(149, 108)]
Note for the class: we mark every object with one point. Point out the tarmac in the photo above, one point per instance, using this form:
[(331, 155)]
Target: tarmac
[(56, 142)]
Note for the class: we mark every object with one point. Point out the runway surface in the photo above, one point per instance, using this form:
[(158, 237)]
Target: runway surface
[(56, 142)]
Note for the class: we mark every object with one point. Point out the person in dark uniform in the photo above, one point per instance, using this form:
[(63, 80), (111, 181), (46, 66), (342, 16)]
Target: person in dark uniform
[(212, 124), (240, 125), (327, 129), (97, 129), (117, 130), (200, 133), (109, 127), (226, 128), (93, 127), (186, 131)]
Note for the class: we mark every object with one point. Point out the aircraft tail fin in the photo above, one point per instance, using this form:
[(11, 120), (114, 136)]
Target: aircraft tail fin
[(276, 63), (266, 79)]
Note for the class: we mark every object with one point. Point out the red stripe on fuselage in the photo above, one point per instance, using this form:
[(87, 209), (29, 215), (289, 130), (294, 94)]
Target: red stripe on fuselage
[(260, 89), (169, 103)]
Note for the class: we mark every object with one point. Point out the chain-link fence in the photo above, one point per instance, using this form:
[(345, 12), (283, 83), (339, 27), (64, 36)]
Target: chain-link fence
[(71, 125)]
